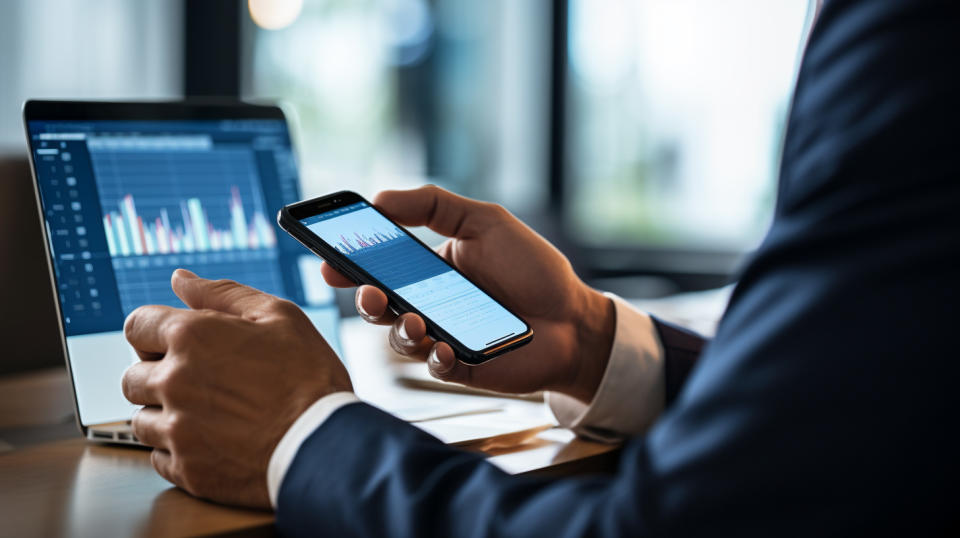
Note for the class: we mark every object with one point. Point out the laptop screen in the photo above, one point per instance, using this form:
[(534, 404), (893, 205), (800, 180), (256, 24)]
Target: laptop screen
[(126, 202)]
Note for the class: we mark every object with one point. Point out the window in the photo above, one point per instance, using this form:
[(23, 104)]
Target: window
[(63, 49), (388, 93), (676, 112)]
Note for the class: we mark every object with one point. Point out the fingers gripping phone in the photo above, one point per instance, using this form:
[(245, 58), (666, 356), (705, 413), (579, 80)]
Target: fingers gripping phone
[(364, 245)]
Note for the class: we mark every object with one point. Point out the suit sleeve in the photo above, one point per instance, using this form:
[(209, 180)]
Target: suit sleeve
[(681, 349), (366, 473), (397, 457), (826, 403)]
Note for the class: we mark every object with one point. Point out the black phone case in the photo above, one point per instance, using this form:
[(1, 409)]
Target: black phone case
[(299, 232)]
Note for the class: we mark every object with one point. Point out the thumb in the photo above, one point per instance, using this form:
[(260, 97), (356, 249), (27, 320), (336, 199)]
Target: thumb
[(440, 210), (221, 295)]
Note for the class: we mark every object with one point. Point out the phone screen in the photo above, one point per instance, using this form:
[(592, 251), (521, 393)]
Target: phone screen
[(415, 273)]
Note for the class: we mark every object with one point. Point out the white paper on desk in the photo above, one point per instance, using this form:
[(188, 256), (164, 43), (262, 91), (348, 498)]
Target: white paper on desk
[(415, 407), (475, 428), (416, 375)]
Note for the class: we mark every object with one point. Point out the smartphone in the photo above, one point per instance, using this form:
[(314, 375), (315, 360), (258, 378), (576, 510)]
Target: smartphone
[(364, 245)]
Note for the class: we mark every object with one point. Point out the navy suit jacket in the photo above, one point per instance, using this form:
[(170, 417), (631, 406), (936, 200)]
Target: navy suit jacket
[(826, 403)]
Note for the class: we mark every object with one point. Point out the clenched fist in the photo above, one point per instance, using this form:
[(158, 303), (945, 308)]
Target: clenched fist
[(222, 382)]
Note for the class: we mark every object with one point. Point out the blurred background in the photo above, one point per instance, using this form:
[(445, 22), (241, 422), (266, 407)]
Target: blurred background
[(641, 136)]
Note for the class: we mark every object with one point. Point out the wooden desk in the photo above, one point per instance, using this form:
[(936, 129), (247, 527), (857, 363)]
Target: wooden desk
[(76, 488)]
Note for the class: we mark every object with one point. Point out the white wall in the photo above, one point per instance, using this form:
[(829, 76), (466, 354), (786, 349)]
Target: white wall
[(91, 49)]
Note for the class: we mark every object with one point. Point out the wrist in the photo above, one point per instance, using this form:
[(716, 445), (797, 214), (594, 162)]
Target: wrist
[(293, 437), (596, 328)]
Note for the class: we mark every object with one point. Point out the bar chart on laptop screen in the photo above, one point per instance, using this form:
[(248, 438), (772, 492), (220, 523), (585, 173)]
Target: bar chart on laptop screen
[(180, 201)]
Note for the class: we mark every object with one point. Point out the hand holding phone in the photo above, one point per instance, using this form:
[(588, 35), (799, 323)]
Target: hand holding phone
[(573, 323), (358, 240)]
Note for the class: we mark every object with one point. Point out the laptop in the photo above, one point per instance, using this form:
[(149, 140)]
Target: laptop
[(127, 193)]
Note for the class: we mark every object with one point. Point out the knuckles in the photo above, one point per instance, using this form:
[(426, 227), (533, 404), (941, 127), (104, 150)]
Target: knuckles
[(162, 379), (131, 324), (127, 383), (498, 212), (285, 308), (190, 327), (172, 382), (136, 425), (182, 330), (170, 466), (223, 285), (177, 430), (433, 190), (157, 462), (178, 469)]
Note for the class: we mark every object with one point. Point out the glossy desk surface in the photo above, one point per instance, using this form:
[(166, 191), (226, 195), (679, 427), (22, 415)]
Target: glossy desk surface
[(75, 488)]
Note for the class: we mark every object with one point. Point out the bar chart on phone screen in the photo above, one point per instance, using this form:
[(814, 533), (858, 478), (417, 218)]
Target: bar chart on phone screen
[(173, 202)]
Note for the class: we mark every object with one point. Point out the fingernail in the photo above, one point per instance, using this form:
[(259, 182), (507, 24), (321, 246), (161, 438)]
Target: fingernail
[(363, 312), (436, 364), (402, 329), (184, 273)]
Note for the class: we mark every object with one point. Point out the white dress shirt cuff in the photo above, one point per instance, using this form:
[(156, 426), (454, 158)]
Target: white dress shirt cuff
[(631, 394), (303, 427)]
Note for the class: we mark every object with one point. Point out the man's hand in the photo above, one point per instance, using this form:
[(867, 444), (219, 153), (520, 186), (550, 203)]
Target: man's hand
[(573, 324), (222, 383)]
